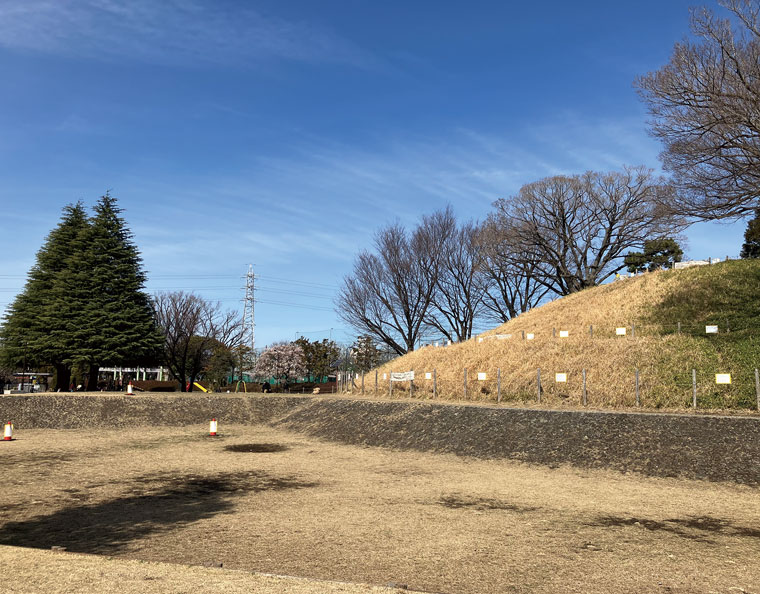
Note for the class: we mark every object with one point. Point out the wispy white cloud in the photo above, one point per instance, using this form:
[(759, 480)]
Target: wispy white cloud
[(469, 169), (74, 123), (305, 215), (169, 31), (323, 201)]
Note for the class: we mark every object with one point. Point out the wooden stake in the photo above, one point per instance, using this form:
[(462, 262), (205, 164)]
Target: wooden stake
[(435, 384), (411, 386), (465, 383), (584, 387), (498, 384), (638, 399), (375, 382), (757, 388), (694, 388), (538, 377)]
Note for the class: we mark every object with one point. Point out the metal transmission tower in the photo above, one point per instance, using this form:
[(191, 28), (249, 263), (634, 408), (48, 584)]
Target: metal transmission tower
[(249, 318)]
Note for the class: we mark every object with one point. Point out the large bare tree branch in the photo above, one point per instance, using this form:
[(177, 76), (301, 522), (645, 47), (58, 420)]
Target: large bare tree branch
[(571, 232), (705, 108), (511, 284), (458, 298), (390, 291)]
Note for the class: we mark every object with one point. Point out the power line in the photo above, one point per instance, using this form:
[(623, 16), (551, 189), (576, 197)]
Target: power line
[(300, 305), (273, 279), (295, 282)]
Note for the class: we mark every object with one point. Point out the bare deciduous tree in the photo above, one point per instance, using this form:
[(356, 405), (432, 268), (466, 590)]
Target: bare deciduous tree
[(458, 296), (390, 291), (576, 228), (511, 283), (705, 105), (192, 328)]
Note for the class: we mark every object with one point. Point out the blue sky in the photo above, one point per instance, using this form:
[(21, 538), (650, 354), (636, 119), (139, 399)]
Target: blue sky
[(283, 134)]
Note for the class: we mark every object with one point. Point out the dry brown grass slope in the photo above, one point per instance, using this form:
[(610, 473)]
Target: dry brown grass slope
[(650, 307)]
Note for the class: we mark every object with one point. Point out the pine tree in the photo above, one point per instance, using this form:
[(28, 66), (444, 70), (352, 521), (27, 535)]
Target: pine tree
[(34, 328), (657, 254), (751, 247)]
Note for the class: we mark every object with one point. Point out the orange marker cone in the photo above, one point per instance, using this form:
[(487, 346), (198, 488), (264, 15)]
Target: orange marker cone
[(129, 389), (212, 428), (8, 433)]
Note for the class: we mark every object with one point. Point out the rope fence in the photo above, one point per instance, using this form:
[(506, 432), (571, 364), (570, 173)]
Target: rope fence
[(696, 389)]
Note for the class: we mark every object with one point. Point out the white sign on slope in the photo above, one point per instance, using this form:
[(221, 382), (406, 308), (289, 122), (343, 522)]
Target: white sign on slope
[(404, 376)]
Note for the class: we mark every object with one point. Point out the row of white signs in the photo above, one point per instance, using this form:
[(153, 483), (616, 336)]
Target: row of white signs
[(566, 334), (560, 378), (407, 376)]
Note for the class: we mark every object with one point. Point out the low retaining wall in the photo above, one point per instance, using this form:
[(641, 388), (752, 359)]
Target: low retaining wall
[(76, 411), (691, 446)]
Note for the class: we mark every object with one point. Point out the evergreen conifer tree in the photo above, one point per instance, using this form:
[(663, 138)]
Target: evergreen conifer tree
[(115, 324), (83, 304), (751, 246), (34, 327), (657, 254)]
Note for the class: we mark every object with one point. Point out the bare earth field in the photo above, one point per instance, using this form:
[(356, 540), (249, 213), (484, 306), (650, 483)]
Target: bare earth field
[(33, 571), (265, 500)]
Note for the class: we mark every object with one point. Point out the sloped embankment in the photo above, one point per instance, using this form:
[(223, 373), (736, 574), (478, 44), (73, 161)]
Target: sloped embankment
[(664, 315), (691, 446)]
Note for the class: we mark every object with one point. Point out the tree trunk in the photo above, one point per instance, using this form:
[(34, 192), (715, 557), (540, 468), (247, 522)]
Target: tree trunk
[(62, 377), (92, 378)]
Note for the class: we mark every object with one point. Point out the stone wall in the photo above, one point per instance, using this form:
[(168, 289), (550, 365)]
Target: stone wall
[(717, 448)]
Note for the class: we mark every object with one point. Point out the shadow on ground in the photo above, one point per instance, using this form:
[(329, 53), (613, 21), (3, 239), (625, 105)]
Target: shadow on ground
[(257, 448), (158, 503), (698, 528), (482, 504)]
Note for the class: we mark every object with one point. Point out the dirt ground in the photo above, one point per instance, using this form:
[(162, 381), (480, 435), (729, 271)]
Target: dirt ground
[(34, 571), (266, 500)]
